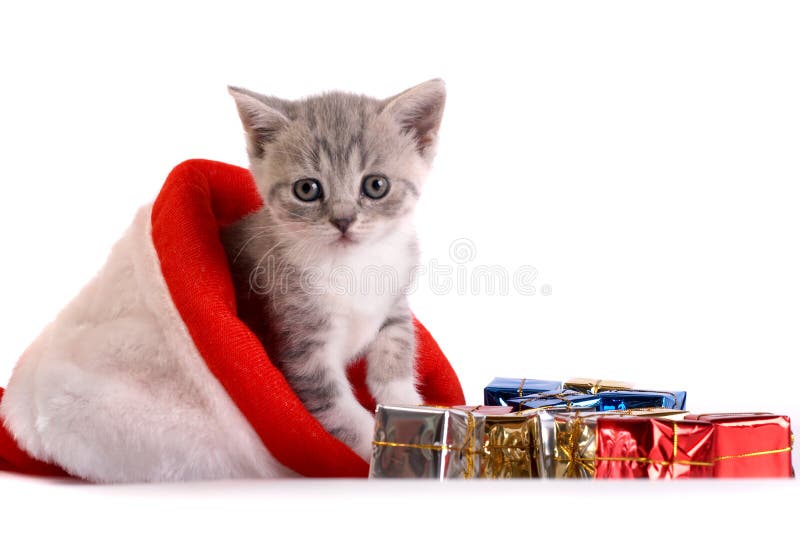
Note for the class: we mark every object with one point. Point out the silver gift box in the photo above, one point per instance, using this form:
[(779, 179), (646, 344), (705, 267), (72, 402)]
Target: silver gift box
[(426, 443)]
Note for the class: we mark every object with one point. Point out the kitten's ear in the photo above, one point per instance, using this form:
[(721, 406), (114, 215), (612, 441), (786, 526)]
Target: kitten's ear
[(262, 117), (419, 111)]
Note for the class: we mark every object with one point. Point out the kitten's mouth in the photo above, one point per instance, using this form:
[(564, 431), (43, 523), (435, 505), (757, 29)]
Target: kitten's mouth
[(344, 240)]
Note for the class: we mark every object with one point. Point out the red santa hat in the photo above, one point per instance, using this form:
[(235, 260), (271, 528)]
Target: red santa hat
[(181, 230)]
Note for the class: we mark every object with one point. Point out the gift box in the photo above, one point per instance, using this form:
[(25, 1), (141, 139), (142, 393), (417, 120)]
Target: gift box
[(545, 457), (750, 444), (501, 389), (630, 399), (558, 399), (622, 395), (511, 446), (593, 386), (654, 448), (426, 443), (575, 449)]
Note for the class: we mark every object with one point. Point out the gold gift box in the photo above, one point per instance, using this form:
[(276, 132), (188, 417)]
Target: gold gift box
[(593, 386), (510, 446)]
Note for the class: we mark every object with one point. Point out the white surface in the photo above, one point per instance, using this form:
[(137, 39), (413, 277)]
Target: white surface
[(641, 156), (401, 506)]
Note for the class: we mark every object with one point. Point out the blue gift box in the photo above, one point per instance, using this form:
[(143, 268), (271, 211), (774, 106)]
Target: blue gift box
[(500, 390), (558, 398), (636, 399)]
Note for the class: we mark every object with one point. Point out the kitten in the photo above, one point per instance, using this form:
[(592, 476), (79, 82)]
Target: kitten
[(322, 270)]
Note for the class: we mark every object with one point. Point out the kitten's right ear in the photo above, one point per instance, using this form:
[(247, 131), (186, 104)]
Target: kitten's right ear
[(419, 110), (261, 117)]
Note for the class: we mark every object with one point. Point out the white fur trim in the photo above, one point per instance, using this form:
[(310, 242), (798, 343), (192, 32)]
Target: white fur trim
[(114, 389)]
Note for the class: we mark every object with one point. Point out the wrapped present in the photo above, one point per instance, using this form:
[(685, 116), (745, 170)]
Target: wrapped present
[(510, 446), (655, 448), (501, 389), (426, 443), (510, 442), (630, 399), (575, 446), (750, 444), (593, 386), (627, 394), (545, 452), (558, 399)]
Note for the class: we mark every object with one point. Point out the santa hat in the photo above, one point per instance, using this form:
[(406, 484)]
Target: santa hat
[(163, 305)]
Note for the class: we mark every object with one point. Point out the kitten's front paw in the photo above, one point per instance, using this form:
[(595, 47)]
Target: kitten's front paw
[(397, 392), (363, 445)]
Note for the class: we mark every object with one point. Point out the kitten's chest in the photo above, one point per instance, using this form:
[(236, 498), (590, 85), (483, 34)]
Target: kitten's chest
[(356, 320), (360, 293)]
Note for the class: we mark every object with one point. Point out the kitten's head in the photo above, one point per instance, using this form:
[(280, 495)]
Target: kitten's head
[(341, 169)]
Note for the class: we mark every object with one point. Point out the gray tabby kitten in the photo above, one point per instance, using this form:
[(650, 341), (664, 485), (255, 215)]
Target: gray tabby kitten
[(321, 271)]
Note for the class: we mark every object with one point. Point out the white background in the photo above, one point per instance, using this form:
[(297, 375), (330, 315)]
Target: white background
[(643, 157)]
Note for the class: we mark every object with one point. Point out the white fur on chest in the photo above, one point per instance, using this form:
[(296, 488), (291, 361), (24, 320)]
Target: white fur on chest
[(359, 286)]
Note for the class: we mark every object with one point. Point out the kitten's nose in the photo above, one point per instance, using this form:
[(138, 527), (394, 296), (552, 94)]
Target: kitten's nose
[(342, 223)]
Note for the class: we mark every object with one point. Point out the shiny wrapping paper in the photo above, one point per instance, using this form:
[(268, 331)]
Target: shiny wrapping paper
[(543, 452), (560, 399), (654, 448), (501, 389), (750, 444), (575, 438), (622, 400), (593, 386), (510, 447), (426, 443)]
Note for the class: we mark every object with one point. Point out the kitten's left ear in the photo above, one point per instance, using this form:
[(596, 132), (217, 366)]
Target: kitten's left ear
[(263, 117), (419, 110)]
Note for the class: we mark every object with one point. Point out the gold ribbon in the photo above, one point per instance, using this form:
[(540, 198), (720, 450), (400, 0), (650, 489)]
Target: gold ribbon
[(575, 461), (521, 387), (469, 446), (753, 454), (435, 447)]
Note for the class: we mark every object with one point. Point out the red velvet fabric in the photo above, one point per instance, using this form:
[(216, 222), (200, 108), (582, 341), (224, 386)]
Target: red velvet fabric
[(198, 198)]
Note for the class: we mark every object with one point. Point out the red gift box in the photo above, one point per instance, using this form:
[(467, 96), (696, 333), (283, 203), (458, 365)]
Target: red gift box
[(634, 447), (750, 444)]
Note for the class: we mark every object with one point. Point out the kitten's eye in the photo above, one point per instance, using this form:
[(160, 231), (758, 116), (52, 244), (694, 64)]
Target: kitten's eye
[(375, 186), (307, 189)]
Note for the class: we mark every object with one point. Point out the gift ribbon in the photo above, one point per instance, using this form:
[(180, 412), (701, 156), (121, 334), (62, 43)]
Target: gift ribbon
[(521, 387), (753, 454), (575, 461)]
